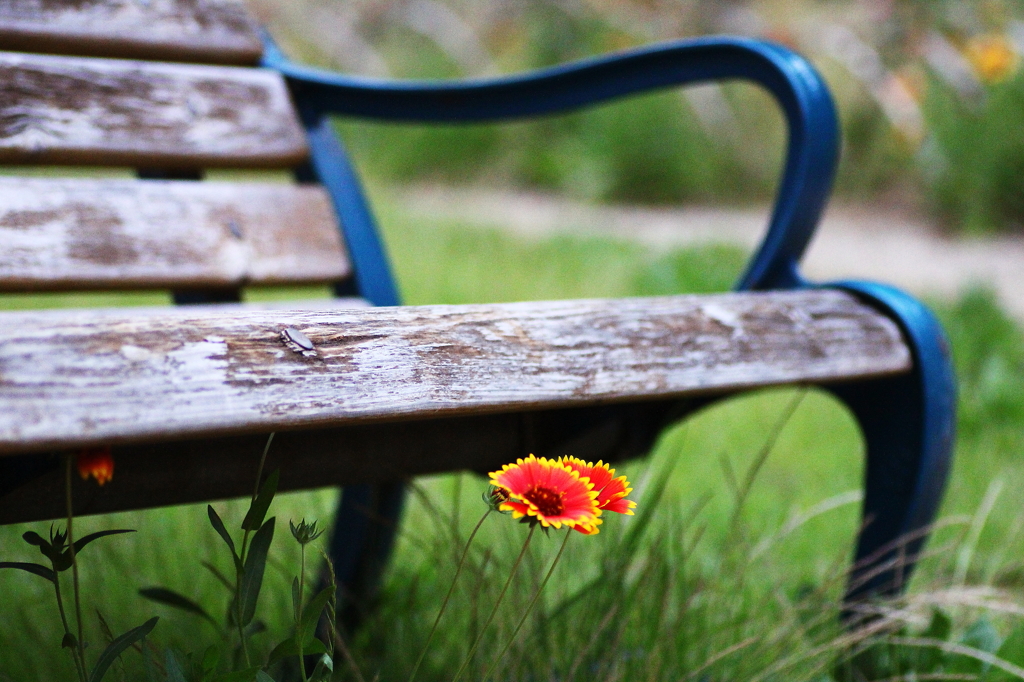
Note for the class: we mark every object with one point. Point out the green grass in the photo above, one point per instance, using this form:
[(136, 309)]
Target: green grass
[(976, 158), (654, 596)]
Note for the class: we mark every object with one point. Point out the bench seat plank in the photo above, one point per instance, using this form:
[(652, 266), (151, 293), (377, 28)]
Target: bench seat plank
[(71, 110), (133, 234), (73, 378), (210, 31)]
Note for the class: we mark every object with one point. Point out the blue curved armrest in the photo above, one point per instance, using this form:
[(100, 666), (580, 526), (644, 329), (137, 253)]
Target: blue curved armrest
[(813, 129)]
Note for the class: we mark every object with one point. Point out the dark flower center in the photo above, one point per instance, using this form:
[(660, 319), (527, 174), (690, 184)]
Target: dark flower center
[(549, 502)]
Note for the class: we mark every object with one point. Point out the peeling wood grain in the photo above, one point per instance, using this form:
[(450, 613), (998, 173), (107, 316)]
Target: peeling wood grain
[(133, 234), (71, 378), (71, 110), (209, 31)]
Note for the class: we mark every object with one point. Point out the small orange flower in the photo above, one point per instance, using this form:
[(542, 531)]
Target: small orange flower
[(992, 57), (97, 463), (549, 492), (611, 491)]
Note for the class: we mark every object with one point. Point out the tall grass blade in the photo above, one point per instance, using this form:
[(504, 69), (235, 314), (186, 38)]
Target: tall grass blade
[(162, 595), (252, 573), (118, 646), (36, 569)]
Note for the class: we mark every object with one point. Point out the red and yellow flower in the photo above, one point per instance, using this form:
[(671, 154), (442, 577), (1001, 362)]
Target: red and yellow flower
[(611, 491), (95, 463), (548, 492)]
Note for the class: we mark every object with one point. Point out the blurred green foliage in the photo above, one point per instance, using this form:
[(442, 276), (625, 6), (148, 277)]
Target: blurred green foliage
[(650, 149), (929, 95), (976, 161), (988, 349)]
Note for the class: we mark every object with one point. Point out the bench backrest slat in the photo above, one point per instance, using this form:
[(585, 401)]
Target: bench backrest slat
[(77, 378), (209, 31), (129, 234), (70, 110)]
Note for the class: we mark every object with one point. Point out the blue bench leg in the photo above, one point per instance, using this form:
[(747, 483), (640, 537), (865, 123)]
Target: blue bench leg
[(908, 423), (364, 532)]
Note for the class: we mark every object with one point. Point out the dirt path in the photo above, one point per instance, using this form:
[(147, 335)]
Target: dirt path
[(859, 242)]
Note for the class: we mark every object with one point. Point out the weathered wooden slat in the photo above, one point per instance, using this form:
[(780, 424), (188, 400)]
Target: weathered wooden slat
[(72, 110), (210, 31), (291, 305), (71, 378), (139, 234)]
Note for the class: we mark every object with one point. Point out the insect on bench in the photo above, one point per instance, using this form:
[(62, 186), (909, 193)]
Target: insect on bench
[(364, 393)]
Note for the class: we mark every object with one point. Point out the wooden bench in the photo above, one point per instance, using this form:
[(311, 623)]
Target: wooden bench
[(362, 393)]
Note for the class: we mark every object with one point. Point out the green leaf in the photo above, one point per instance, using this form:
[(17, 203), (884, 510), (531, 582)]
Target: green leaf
[(259, 506), (324, 668), (263, 677), (925, 659), (289, 647), (63, 562), (218, 526), (256, 627), (35, 539), (210, 658), (311, 614), (117, 647), (37, 569), (162, 595), (283, 650), (47, 549), (1011, 651), (80, 544), (172, 665), (981, 635), (247, 675), (940, 627), (221, 578), (252, 573)]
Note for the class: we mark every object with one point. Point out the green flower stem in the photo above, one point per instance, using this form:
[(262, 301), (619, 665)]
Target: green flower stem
[(301, 635), (533, 602), (245, 545), (447, 597), (238, 601), (67, 628), (74, 565), (494, 611), (263, 460)]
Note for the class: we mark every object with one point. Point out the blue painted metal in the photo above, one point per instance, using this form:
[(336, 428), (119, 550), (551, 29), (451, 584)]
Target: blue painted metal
[(909, 424), (364, 532), (908, 421), (330, 163)]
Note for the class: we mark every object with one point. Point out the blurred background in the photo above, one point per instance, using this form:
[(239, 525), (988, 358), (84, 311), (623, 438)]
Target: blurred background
[(928, 93), (930, 191)]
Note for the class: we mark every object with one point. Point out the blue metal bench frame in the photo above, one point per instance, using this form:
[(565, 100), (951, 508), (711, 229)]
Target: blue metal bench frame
[(907, 421)]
